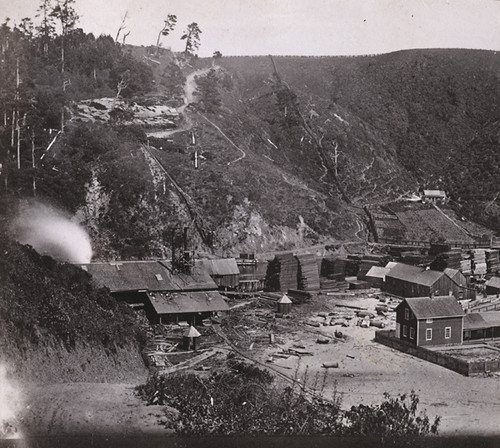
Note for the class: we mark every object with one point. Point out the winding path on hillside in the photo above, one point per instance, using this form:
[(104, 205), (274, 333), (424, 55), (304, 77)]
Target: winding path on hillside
[(243, 153)]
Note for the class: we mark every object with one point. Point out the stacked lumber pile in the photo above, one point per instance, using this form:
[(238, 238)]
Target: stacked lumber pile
[(352, 265), (438, 248), (308, 275), (453, 259), (466, 264), (479, 261), (493, 261), (282, 273), (299, 296), (365, 266), (333, 269)]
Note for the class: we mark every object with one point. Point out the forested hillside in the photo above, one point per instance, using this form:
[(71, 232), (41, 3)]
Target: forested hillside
[(252, 154)]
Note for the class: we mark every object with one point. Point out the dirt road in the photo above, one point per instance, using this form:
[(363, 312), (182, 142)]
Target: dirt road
[(87, 408)]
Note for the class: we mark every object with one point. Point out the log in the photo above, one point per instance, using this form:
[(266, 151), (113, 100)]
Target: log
[(330, 365)]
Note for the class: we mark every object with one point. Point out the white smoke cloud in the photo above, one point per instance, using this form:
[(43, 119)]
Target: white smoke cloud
[(50, 232), (10, 407)]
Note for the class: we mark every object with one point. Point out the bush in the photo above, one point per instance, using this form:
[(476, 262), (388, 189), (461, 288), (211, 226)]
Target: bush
[(395, 417), (243, 399)]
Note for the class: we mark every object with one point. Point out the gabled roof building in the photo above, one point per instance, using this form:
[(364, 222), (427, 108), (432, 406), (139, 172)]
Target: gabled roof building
[(425, 321), (493, 285), (166, 295)]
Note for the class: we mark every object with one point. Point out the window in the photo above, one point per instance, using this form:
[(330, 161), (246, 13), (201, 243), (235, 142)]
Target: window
[(412, 333), (428, 334), (405, 331), (447, 332), (407, 314), (429, 321)]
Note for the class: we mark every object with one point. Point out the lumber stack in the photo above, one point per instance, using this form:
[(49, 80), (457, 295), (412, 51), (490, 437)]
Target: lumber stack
[(466, 266), (365, 266), (308, 275), (453, 259), (493, 261), (479, 261), (282, 273)]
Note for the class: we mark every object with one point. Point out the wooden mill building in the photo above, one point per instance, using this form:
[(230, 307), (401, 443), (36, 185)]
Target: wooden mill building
[(405, 280), (426, 321), (224, 271), (165, 294)]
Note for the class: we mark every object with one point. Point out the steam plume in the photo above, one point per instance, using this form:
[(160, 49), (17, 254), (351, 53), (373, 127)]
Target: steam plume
[(52, 233), (10, 406)]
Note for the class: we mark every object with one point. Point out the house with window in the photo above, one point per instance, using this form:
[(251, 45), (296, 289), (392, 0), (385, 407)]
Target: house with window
[(426, 321), (434, 197)]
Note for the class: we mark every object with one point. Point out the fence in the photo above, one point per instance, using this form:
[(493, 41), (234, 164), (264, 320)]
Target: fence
[(467, 368), (481, 244)]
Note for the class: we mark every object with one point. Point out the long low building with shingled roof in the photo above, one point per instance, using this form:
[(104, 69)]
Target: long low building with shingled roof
[(166, 295)]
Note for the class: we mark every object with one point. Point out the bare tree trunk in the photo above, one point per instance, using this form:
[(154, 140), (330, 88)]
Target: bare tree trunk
[(18, 128), (33, 161), (13, 132)]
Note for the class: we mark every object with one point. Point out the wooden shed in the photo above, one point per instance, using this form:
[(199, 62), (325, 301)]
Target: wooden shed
[(284, 305), (493, 286), (424, 321), (404, 280), (190, 338), (484, 325), (224, 271), (376, 276), (190, 306)]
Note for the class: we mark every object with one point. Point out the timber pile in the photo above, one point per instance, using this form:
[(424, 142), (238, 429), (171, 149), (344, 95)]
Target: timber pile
[(299, 296), (333, 268), (479, 261), (308, 275), (466, 265), (452, 259), (282, 273), (493, 261), (365, 266)]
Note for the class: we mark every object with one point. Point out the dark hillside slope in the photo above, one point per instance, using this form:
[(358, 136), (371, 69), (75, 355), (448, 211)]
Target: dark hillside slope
[(433, 114), (56, 326)]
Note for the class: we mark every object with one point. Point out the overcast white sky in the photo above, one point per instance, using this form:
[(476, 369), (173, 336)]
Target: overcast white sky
[(299, 27)]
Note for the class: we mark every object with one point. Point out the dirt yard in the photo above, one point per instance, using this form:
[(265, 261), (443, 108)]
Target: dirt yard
[(467, 405)]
